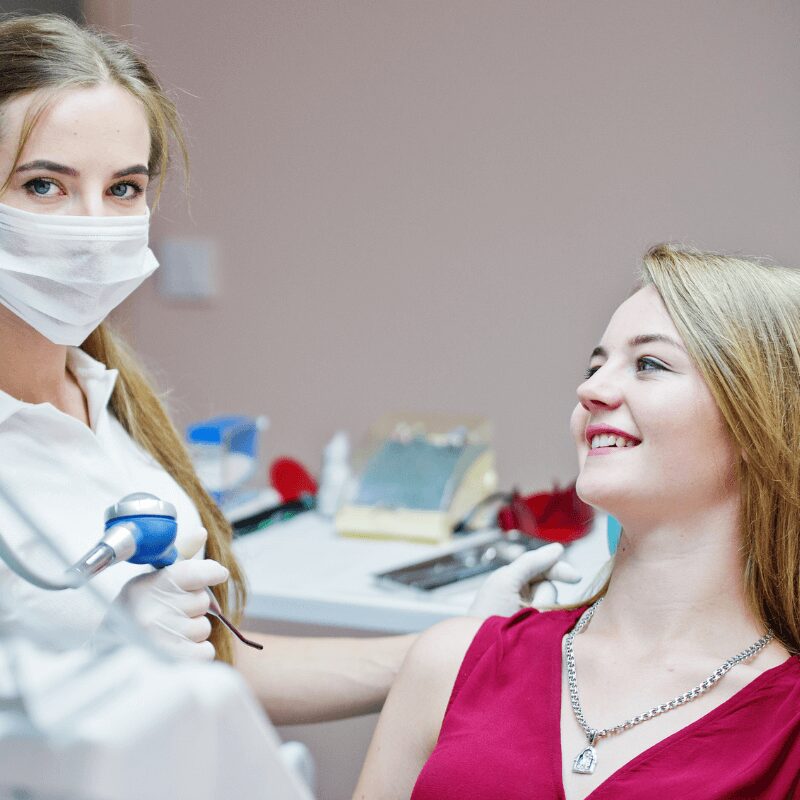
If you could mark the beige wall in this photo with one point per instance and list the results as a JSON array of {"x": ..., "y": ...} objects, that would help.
[{"x": 436, "y": 205}]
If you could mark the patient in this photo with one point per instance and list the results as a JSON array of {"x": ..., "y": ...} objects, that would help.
[{"x": 688, "y": 431}]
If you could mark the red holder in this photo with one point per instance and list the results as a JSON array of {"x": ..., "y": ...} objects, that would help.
[
  {"x": 557, "y": 516},
  {"x": 290, "y": 479}
]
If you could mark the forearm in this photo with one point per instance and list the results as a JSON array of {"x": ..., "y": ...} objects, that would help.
[{"x": 304, "y": 679}]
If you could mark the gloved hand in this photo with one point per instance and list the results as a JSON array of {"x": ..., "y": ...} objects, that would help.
[
  {"x": 171, "y": 604},
  {"x": 191, "y": 544},
  {"x": 524, "y": 582}
]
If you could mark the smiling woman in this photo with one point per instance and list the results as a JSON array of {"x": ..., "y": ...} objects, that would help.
[
  {"x": 647, "y": 388},
  {"x": 682, "y": 677}
]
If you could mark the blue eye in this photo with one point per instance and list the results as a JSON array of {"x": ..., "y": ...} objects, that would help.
[
  {"x": 649, "y": 364},
  {"x": 127, "y": 190},
  {"x": 41, "y": 186}
]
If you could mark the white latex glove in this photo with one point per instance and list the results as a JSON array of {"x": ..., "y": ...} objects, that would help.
[
  {"x": 191, "y": 544},
  {"x": 524, "y": 582},
  {"x": 171, "y": 604}
]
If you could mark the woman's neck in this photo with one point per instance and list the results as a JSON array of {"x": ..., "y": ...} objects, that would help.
[
  {"x": 34, "y": 370},
  {"x": 680, "y": 581}
]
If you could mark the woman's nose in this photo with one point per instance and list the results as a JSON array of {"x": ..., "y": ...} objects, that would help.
[
  {"x": 598, "y": 392},
  {"x": 89, "y": 205}
]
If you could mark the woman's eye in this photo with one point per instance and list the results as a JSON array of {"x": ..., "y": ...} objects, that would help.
[
  {"x": 42, "y": 187},
  {"x": 649, "y": 364},
  {"x": 128, "y": 190},
  {"x": 590, "y": 371}
]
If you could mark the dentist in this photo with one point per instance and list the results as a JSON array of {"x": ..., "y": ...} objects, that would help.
[{"x": 85, "y": 139}]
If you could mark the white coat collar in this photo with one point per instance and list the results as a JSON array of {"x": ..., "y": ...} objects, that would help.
[{"x": 95, "y": 379}]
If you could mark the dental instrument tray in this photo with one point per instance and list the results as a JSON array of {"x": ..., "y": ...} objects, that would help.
[{"x": 467, "y": 562}]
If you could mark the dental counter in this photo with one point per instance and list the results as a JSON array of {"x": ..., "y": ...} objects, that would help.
[{"x": 301, "y": 572}]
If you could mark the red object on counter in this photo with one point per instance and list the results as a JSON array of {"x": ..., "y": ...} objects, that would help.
[
  {"x": 557, "y": 516},
  {"x": 290, "y": 479}
]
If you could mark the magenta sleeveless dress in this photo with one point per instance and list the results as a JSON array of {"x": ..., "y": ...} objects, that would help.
[{"x": 500, "y": 736}]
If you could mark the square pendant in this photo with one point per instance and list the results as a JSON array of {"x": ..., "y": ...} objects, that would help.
[{"x": 585, "y": 761}]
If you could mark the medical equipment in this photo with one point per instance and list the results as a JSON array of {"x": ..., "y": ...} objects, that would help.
[
  {"x": 556, "y": 516},
  {"x": 270, "y": 515},
  {"x": 64, "y": 274},
  {"x": 466, "y": 562},
  {"x": 125, "y": 725},
  {"x": 335, "y": 477},
  {"x": 118, "y": 720},
  {"x": 291, "y": 480},
  {"x": 139, "y": 528},
  {"x": 613, "y": 532},
  {"x": 224, "y": 452},
  {"x": 216, "y": 611},
  {"x": 418, "y": 477}
]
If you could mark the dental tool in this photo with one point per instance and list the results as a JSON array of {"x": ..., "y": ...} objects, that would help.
[{"x": 141, "y": 528}]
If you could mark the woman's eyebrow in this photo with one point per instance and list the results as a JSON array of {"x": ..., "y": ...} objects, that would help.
[
  {"x": 61, "y": 169},
  {"x": 50, "y": 166},
  {"x": 649, "y": 338},
  {"x": 136, "y": 169},
  {"x": 636, "y": 341}
]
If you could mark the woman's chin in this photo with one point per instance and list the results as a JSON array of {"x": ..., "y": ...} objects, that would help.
[{"x": 602, "y": 494}]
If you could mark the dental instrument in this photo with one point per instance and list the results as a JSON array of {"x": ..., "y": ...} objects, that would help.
[{"x": 140, "y": 528}]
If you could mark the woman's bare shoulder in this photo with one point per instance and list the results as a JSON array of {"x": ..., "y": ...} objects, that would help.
[
  {"x": 410, "y": 722},
  {"x": 437, "y": 654}
]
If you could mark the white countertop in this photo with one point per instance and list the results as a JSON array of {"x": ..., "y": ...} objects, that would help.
[{"x": 300, "y": 571}]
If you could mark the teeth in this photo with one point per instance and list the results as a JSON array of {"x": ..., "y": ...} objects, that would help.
[{"x": 608, "y": 440}]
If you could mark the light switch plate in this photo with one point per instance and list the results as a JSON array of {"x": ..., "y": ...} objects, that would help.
[{"x": 188, "y": 268}]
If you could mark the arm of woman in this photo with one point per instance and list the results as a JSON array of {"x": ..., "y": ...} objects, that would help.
[
  {"x": 412, "y": 717},
  {"x": 309, "y": 679},
  {"x": 301, "y": 680}
]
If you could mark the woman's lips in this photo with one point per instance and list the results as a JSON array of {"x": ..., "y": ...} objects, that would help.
[{"x": 605, "y": 439}]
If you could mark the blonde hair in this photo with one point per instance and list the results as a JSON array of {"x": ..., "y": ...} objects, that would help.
[
  {"x": 46, "y": 54},
  {"x": 740, "y": 321}
]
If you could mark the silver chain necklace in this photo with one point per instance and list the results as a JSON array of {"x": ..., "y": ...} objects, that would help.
[{"x": 586, "y": 761}]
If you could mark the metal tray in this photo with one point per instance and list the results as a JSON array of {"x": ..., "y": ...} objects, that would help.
[{"x": 468, "y": 562}]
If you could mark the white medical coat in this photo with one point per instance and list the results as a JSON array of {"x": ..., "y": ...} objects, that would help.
[{"x": 64, "y": 475}]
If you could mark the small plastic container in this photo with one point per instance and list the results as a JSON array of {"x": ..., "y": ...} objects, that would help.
[{"x": 225, "y": 453}]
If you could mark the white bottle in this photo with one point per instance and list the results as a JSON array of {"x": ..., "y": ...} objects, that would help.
[{"x": 335, "y": 475}]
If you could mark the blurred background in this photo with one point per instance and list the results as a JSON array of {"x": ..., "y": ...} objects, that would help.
[{"x": 437, "y": 205}]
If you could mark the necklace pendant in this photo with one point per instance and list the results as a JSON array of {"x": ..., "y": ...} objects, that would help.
[{"x": 586, "y": 761}]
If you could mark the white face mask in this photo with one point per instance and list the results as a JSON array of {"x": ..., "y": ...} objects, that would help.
[{"x": 63, "y": 275}]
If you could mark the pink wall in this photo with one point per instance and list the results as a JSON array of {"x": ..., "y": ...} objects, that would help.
[{"x": 437, "y": 204}]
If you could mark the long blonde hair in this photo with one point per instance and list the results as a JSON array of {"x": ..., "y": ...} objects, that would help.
[
  {"x": 740, "y": 321},
  {"x": 46, "y": 54}
]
